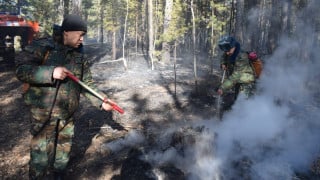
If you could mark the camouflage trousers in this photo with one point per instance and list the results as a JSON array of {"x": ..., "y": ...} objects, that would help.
[
  {"x": 50, "y": 146},
  {"x": 247, "y": 89}
]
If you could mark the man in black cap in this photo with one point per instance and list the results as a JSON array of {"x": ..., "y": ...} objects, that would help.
[{"x": 53, "y": 98}]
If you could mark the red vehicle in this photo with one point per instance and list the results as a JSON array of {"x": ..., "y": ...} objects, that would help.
[{"x": 15, "y": 32}]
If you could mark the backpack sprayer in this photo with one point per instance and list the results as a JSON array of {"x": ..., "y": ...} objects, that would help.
[{"x": 104, "y": 99}]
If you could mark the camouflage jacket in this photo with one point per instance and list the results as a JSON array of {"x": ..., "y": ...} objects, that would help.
[
  {"x": 242, "y": 73},
  {"x": 225, "y": 60},
  {"x": 35, "y": 69}
]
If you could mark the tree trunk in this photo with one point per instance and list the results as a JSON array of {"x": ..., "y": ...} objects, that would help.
[
  {"x": 194, "y": 47},
  {"x": 270, "y": 38},
  {"x": 76, "y": 7},
  {"x": 143, "y": 35},
  {"x": 166, "y": 24},
  {"x": 213, "y": 41},
  {"x": 231, "y": 28},
  {"x": 101, "y": 33},
  {"x": 175, "y": 67},
  {"x": 66, "y": 4},
  {"x": 286, "y": 14},
  {"x": 151, "y": 33},
  {"x": 114, "y": 45},
  {"x": 136, "y": 36},
  {"x": 124, "y": 38},
  {"x": 240, "y": 20}
]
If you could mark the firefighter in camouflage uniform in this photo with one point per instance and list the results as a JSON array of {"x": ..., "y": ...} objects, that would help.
[
  {"x": 236, "y": 63},
  {"x": 53, "y": 98}
]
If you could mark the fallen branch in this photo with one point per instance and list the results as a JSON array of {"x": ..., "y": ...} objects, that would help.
[{"x": 120, "y": 59}]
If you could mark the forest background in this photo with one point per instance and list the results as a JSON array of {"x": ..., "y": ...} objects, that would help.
[{"x": 161, "y": 26}]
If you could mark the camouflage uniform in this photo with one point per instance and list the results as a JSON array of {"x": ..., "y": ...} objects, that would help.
[
  {"x": 242, "y": 75},
  {"x": 35, "y": 69}
]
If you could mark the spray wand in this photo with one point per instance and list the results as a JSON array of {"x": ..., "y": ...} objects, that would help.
[
  {"x": 104, "y": 99},
  {"x": 219, "y": 97}
]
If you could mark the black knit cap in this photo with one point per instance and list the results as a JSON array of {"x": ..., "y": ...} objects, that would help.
[{"x": 73, "y": 22}]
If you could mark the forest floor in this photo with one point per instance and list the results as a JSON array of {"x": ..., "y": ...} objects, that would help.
[
  {"x": 150, "y": 98},
  {"x": 108, "y": 145}
]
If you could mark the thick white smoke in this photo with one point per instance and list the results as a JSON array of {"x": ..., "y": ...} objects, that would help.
[{"x": 277, "y": 132}]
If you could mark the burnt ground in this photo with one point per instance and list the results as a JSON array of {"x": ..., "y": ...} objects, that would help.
[{"x": 150, "y": 100}]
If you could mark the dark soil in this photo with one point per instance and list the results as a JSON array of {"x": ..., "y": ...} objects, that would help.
[{"x": 150, "y": 100}]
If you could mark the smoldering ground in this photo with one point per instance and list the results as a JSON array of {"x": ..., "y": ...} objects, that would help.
[{"x": 273, "y": 135}]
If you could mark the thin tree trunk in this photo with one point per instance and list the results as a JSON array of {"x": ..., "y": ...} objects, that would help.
[
  {"x": 76, "y": 7},
  {"x": 166, "y": 25},
  {"x": 286, "y": 12},
  {"x": 101, "y": 33},
  {"x": 136, "y": 36},
  {"x": 151, "y": 33},
  {"x": 124, "y": 38},
  {"x": 213, "y": 46},
  {"x": 194, "y": 47},
  {"x": 240, "y": 20},
  {"x": 66, "y": 6},
  {"x": 175, "y": 68},
  {"x": 114, "y": 45},
  {"x": 155, "y": 24},
  {"x": 231, "y": 20},
  {"x": 144, "y": 23},
  {"x": 270, "y": 39}
]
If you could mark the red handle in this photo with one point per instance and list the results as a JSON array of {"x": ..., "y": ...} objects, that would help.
[
  {"x": 72, "y": 77},
  {"x": 114, "y": 106},
  {"x": 117, "y": 108}
]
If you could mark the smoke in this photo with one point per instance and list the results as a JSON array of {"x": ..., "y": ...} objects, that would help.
[
  {"x": 273, "y": 135},
  {"x": 133, "y": 139}
]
